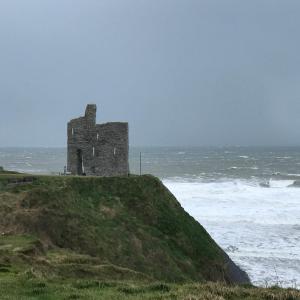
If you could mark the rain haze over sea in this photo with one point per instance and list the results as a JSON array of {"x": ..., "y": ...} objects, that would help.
[
  {"x": 245, "y": 197},
  {"x": 197, "y": 72}
]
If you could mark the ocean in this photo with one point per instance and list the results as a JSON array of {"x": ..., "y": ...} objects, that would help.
[{"x": 244, "y": 197}]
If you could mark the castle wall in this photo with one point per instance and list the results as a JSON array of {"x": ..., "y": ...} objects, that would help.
[
  {"x": 97, "y": 149},
  {"x": 112, "y": 149}
]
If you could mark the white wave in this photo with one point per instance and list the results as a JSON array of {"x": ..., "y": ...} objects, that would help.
[
  {"x": 280, "y": 183},
  {"x": 259, "y": 226},
  {"x": 32, "y": 171}
]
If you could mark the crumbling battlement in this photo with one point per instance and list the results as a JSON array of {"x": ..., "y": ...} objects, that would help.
[{"x": 97, "y": 149}]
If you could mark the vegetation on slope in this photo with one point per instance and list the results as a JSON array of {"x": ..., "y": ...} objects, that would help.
[
  {"x": 28, "y": 287},
  {"x": 63, "y": 274},
  {"x": 110, "y": 238},
  {"x": 126, "y": 222}
]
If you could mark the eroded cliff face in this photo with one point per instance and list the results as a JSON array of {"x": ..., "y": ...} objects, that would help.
[{"x": 127, "y": 223}]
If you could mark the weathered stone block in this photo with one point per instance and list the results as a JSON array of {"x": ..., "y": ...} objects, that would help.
[{"x": 97, "y": 149}]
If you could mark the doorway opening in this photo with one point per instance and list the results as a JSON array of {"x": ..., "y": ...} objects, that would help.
[{"x": 79, "y": 162}]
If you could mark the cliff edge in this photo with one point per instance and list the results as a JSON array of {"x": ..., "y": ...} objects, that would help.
[{"x": 106, "y": 228}]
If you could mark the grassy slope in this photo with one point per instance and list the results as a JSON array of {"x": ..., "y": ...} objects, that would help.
[
  {"x": 117, "y": 235},
  {"x": 19, "y": 281},
  {"x": 28, "y": 287},
  {"x": 135, "y": 223}
]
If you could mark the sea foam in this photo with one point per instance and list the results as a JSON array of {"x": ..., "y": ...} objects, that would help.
[{"x": 259, "y": 227}]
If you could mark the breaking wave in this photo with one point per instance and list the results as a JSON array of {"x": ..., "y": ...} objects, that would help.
[{"x": 258, "y": 227}]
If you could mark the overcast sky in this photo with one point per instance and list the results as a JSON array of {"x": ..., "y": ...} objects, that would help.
[{"x": 181, "y": 72}]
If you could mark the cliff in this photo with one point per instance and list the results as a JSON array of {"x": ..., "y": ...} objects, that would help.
[{"x": 113, "y": 228}]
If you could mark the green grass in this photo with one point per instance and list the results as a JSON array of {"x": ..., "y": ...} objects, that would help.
[
  {"x": 131, "y": 222},
  {"x": 27, "y": 286},
  {"x": 2, "y": 171},
  {"x": 66, "y": 237}
]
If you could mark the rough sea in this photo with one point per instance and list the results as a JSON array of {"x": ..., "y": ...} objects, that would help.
[{"x": 244, "y": 197}]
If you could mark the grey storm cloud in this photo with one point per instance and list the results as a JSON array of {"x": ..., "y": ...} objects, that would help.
[{"x": 181, "y": 72}]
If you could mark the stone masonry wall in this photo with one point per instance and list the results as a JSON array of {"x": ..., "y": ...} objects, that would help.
[{"x": 97, "y": 149}]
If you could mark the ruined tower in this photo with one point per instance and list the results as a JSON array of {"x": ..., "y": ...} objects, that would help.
[{"x": 97, "y": 149}]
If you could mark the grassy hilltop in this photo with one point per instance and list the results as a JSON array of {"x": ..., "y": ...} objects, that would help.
[{"x": 119, "y": 238}]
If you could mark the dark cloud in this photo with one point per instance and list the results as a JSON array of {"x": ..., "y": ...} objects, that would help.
[{"x": 180, "y": 72}]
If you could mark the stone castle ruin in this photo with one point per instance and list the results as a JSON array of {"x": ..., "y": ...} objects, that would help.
[{"x": 97, "y": 149}]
